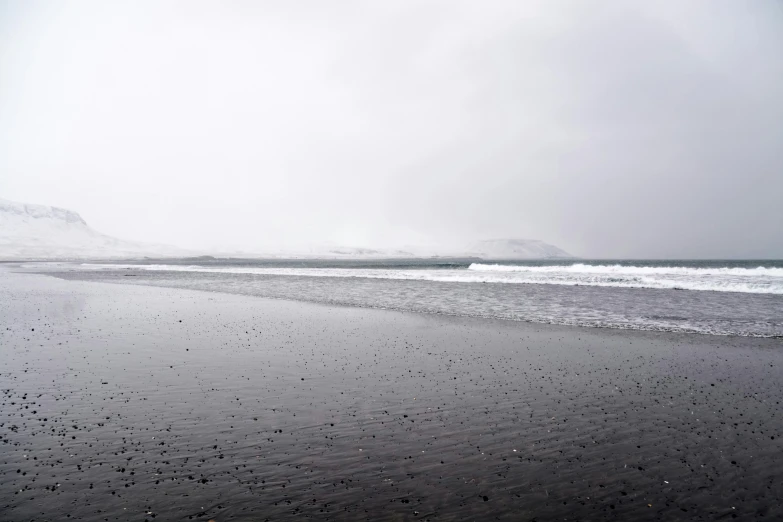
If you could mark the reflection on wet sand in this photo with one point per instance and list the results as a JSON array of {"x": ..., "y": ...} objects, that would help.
[{"x": 137, "y": 403}]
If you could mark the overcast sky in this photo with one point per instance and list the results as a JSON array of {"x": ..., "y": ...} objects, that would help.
[{"x": 610, "y": 129}]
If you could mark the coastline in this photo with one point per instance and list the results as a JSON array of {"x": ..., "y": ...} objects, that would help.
[
  {"x": 264, "y": 408},
  {"x": 649, "y": 309}
]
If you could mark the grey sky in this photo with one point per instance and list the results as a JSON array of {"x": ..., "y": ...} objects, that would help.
[{"x": 619, "y": 129}]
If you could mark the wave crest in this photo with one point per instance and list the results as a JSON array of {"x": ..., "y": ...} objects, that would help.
[
  {"x": 581, "y": 268},
  {"x": 759, "y": 280}
]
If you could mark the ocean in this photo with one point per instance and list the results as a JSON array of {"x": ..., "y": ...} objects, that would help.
[{"x": 738, "y": 297}]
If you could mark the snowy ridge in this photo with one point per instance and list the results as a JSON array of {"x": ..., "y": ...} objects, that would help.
[
  {"x": 516, "y": 249},
  {"x": 24, "y": 211},
  {"x": 42, "y": 232}
]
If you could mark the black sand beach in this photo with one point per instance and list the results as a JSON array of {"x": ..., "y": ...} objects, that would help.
[{"x": 134, "y": 403}]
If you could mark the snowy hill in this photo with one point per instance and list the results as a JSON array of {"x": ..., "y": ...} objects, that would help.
[
  {"x": 516, "y": 249},
  {"x": 41, "y": 232}
]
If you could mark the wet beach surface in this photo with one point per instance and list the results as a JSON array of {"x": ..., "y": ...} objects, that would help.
[{"x": 122, "y": 402}]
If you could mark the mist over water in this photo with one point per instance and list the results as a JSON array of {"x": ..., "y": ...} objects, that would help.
[{"x": 742, "y": 298}]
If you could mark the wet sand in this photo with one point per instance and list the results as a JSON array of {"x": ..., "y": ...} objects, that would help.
[{"x": 123, "y": 402}]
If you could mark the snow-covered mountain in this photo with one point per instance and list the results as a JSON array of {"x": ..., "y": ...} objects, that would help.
[
  {"x": 358, "y": 253},
  {"x": 516, "y": 249},
  {"x": 41, "y": 232}
]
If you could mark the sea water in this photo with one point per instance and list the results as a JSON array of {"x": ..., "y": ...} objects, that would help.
[{"x": 710, "y": 297}]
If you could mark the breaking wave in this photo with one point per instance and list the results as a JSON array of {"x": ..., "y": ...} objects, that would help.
[
  {"x": 759, "y": 280},
  {"x": 581, "y": 268}
]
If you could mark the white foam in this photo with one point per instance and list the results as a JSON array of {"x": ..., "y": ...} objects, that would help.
[{"x": 581, "y": 268}]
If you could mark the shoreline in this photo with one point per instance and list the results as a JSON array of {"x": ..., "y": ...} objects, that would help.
[
  {"x": 233, "y": 407},
  {"x": 461, "y": 315}
]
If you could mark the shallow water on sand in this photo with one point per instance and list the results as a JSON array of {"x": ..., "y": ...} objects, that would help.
[{"x": 136, "y": 403}]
